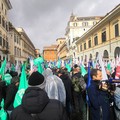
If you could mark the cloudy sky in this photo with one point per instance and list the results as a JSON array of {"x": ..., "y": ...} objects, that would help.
[{"x": 45, "y": 20}]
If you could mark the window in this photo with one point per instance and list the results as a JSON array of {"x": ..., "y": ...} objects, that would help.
[
  {"x": 104, "y": 36},
  {"x": 14, "y": 50},
  {"x": 0, "y": 19},
  {"x": 84, "y": 46},
  {"x": 80, "y": 47},
  {"x": 1, "y": 40},
  {"x": 85, "y": 24},
  {"x": 5, "y": 12},
  {"x": 116, "y": 30},
  {"x": 14, "y": 37},
  {"x": 7, "y": 44},
  {"x": 81, "y": 58},
  {"x": 20, "y": 52},
  {"x": 69, "y": 42},
  {"x": 74, "y": 24},
  {"x": 2, "y": 6},
  {"x": 94, "y": 22},
  {"x": 96, "y": 40},
  {"x": 89, "y": 43}
]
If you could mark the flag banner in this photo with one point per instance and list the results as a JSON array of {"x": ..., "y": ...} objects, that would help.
[
  {"x": 12, "y": 67},
  {"x": 102, "y": 68},
  {"x": 38, "y": 63},
  {"x": 59, "y": 63},
  {"x": 88, "y": 84},
  {"x": 23, "y": 85},
  {"x": 83, "y": 70},
  {"x": 2, "y": 70},
  {"x": 3, "y": 114}
]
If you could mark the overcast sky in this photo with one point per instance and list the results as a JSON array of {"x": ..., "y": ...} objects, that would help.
[{"x": 45, "y": 20}]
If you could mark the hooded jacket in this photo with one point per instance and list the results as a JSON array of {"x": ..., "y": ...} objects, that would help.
[{"x": 37, "y": 106}]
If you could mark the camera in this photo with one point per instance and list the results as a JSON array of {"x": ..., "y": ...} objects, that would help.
[{"x": 106, "y": 85}]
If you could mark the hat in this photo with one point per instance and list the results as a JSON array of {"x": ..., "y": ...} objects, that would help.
[
  {"x": 7, "y": 78},
  {"x": 36, "y": 80},
  {"x": 13, "y": 73},
  {"x": 15, "y": 79}
]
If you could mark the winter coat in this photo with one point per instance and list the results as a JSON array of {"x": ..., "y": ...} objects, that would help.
[
  {"x": 98, "y": 100},
  {"x": 37, "y": 106},
  {"x": 10, "y": 96},
  {"x": 78, "y": 82},
  {"x": 2, "y": 90},
  {"x": 68, "y": 87},
  {"x": 117, "y": 103}
]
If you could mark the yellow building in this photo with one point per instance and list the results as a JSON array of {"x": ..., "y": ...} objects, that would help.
[
  {"x": 5, "y": 5},
  {"x": 103, "y": 38},
  {"x": 62, "y": 48},
  {"x": 50, "y": 53},
  {"x": 76, "y": 27}
]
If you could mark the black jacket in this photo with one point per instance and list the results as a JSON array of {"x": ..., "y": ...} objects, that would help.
[
  {"x": 98, "y": 99},
  {"x": 2, "y": 90},
  {"x": 10, "y": 96},
  {"x": 68, "y": 87},
  {"x": 37, "y": 106}
]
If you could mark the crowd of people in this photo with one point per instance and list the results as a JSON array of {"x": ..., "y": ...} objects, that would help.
[{"x": 57, "y": 94}]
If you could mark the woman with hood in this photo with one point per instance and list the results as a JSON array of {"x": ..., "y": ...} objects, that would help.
[{"x": 54, "y": 86}]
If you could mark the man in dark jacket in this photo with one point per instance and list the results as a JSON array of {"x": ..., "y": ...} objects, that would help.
[
  {"x": 99, "y": 101},
  {"x": 2, "y": 90},
  {"x": 35, "y": 103},
  {"x": 68, "y": 88},
  {"x": 10, "y": 93},
  {"x": 79, "y": 87}
]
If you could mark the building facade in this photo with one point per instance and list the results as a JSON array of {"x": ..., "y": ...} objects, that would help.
[
  {"x": 76, "y": 27},
  {"x": 103, "y": 38},
  {"x": 27, "y": 47},
  {"x": 50, "y": 53},
  {"x": 5, "y": 5},
  {"x": 62, "y": 49},
  {"x": 21, "y": 47}
]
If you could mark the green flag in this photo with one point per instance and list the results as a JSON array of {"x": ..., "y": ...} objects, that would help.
[
  {"x": 3, "y": 114},
  {"x": 83, "y": 71},
  {"x": 12, "y": 67},
  {"x": 109, "y": 67},
  {"x": 59, "y": 63},
  {"x": 38, "y": 62},
  {"x": 40, "y": 69},
  {"x": 22, "y": 87},
  {"x": 68, "y": 67},
  {"x": 2, "y": 70}
]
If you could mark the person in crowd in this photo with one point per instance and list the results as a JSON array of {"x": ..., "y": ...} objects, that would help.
[
  {"x": 54, "y": 86},
  {"x": 79, "y": 87},
  {"x": 10, "y": 94},
  {"x": 68, "y": 88},
  {"x": 2, "y": 90},
  {"x": 13, "y": 73},
  {"x": 36, "y": 104},
  {"x": 98, "y": 97},
  {"x": 117, "y": 102}
]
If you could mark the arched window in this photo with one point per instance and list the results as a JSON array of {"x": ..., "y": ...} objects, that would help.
[
  {"x": 90, "y": 56},
  {"x": 105, "y": 54},
  {"x": 85, "y": 58},
  {"x": 117, "y": 52},
  {"x": 96, "y": 54}
]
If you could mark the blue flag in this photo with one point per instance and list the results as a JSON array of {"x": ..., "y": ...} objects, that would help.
[
  {"x": 88, "y": 84},
  {"x": 89, "y": 77}
]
